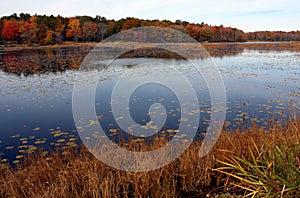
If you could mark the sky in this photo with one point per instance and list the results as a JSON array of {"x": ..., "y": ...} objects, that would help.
[{"x": 247, "y": 15}]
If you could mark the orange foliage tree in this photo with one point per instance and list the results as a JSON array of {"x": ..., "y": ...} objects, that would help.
[
  {"x": 74, "y": 31},
  {"x": 28, "y": 32}
]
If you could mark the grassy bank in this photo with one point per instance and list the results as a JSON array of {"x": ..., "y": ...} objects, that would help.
[{"x": 253, "y": 162}]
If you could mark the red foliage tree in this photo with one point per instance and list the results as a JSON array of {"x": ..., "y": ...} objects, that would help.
[{"x": 11, "y": 29}]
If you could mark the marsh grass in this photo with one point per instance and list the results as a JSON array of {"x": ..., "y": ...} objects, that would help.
[
  {"x": 271, "y": 167},
  {"x": 254, "y": 162}
]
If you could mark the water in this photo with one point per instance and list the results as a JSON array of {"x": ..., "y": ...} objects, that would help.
[{"x": 36, "y": 95}]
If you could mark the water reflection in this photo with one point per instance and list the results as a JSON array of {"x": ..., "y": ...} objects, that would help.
[
  {"x": 36, "y": 111},
  {"x": 38, "y": 61}
]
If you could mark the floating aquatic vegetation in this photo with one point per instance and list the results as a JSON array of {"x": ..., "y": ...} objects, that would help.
[
  {"x": 40, "y": 142},
  {"x": 19, "y": 156},
  {"x": 92, "y": 122},
  {"x": 9, "y": 147},
  {"x": 23, "y": 139},
  {"x": 61, "y": 140},
  {"x": 113, "y": 130},
  {"x": 57, "y": 133},
  {"x": 15, "y": 136},
  {"x": 16, "y": 161},
  {"x": 31, "y": 149},
  {"x": 72, "y": 139},
  {"x": 72, "y": 144}
]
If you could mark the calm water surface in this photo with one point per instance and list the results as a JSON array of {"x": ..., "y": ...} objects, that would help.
[{"x": 36, "y": 96}]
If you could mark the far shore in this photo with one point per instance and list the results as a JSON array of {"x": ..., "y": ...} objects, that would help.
[
  {"x": 14, "y": 47},
  {"x": 281, "y": 45}
]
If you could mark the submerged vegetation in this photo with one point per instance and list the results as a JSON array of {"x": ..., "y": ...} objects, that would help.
[{"x": 253, "y": 162}]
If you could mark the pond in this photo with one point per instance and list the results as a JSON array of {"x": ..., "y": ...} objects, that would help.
[{"x": 262, "y": 86}]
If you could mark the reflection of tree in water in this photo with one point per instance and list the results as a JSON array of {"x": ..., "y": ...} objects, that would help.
[
  {"x": 27, "y": 62},
  {"x": 231, "y": 49},
  {"x": 35, "y": 61},
  {"x": 222, "y": 50},
  {"x": 168, "y": 51}
]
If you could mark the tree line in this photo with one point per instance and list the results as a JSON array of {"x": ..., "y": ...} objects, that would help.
[{"x": 41, "y": 29}]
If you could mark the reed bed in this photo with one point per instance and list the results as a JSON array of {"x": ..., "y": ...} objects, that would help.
[{"x": 255, "y": 162}]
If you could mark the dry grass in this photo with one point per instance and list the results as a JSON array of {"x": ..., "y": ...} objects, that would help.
[{"x": 78, "y": 174}]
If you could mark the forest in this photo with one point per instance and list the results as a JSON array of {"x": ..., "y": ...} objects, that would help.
[{"x": 44, "y": 30}]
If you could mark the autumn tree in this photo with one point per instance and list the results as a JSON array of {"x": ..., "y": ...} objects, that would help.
[
  {"x": 194, "y": 31},
  {"x": 84, "y": 19},
  {"x": 57, "y": 24},
  {"x": 60, "y": 28},
  {"x": 74, "y": 31},
  {"x": 25, "y": 31},
  {"x": 28, "y": 31},
  {"x": 217, "y": 34},
  {"x": 110, "y": 27},
  {"x": 89, "y": 29},
  {"x": 13, "y": 16},
  {"x": 11, "y": 29},
  {"x": 116, "y": 26},
  {"x": 100, "y": 19},
  {"x": 1, "y": 28},
  {"x": 48, "y": 21},
  {"x": 130, "y": 23},
  {"x": 42, "y": 33},
  {"x": 49, "y": 37},
  {"x": 206, "y": 33},
  {"x": 178, "y": 27},
  {"x": 24, "y": 17},
  {"x": 102, "y": 30},
  {"x": 49, "y": 29},
  {"x": 58, "y": 37}
]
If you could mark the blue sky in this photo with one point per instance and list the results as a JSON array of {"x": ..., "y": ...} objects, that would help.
[{"x": 248, "y": 15}]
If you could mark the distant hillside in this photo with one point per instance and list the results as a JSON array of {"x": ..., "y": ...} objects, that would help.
[{"x": 42, "y": 29}]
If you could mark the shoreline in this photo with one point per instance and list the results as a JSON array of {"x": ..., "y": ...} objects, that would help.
[
  {"x": 280, "y": 44},
  {"x": 17, "y": 47}
]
